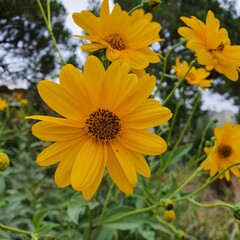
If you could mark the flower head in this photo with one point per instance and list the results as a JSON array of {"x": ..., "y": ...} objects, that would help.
[
  {"x": 3, "y": 104},
  {"x": 106, "y": 114},
  {"x": 196, "y": 76},
  {"x": 169, "y": 215},
  {"x": 150, "y": 5},
  {"x": 124, "y": 37},
  {"x": 225, "y": 152},
  {"x": 4, "y": 161},
  {"x": 212, "y": 46}
]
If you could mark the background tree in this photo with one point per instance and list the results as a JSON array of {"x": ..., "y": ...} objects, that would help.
[{"x": 27, "y": 51}]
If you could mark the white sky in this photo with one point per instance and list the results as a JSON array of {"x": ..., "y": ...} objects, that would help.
[{"x": 214, "y": 102}]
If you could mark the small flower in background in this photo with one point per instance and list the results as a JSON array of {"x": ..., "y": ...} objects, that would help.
[
  {"x": 150, "y": 5},
  {"x": 4, "y": 161},
  {"x": 212, "y": 46},
  {"x": 3, "y": 104},
  {"x": 196, "y": 76},
  {"x": 106, "y": 114},
  {"x": 124, "y": 37},
  {"x": 225, "y": 152},
  {"x": 169, "y": 215},
  {"x": 18, "y": 96}
]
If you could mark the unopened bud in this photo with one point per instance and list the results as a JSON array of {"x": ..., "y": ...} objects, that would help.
[
  {"x": 168, "y": 204},
  {"x": 150, "y": 5},
  {"x": 4, "y": 161},
  {"x": 181, "y": 235},
  {"x": 236, "y": 211}
]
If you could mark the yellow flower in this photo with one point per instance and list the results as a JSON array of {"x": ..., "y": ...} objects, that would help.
[
  {"x": 124, "y": 37},
  {"x": 3, "y": 104},
  {"x": 169, "y": 215},
  {"x": 212, "y": 45},
  {"x": 19, "y": 98},
  {"x": 196, "y": 76},
  {"x": 225, "y": 152},
  {"x": 4, "y": 161},
  {"x": 105, "y": 119}
]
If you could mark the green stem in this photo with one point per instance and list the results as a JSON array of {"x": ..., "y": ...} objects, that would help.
[
  {"x": 168, "y": 225},
  {"x": 16, "y": 230},
  {"x": 179, "y": 83},
  {"x": 165, "y": 59},
  {"x": 210, "y": 205},
  {"x": 186, "y": 182},
  {"x": 106, "y": 201},
  {"x": 137, "y": 211},
  {"x": 135, "y": 8},
  {"x": 182, "y": 134},
  {"x": 203, "y": 137},
  {"x": 49, "y": 28},
  {"x": 208, "y": 182}
]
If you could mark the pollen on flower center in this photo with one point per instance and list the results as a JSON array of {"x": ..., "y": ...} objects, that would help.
[
  {"x": 115, "y": 41},
  {"x": 219, "y": 48},
  {"x": 103, "y": 125},
  {"x": 224, "y": 151}
]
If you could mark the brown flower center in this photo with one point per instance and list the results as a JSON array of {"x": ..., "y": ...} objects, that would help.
[
  {"x": 224, "y": 151},
  {"x": 115, "y": 41},
  {"x": 219, "y": 48},
  {"x": 103, "y": 125}
]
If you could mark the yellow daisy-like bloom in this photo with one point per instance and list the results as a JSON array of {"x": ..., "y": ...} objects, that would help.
[
  {"x": 106, "y": 116},
  {"x": 212, "y": 45},
  {"x": 196, "y": 76},
  {"x": 4, "y": 161},
  {"x": 3, "y": 104},
  {"x": 225, "y": 152},
  {"x": 124, "y": 37}
]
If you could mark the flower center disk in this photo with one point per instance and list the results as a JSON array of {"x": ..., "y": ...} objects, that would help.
[
  {"x": 103, "y": 125},
  {"x": 224, "y": 151},
  {"x": 115, "y": 41}
]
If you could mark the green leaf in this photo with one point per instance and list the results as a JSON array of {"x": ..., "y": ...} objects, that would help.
[
  {"x": 46, "y": 228},
  {"x": 4, "y": 235},
  {"x": 126, "y": 223},
  {"x": 105, "y": 233},
  {"x": 38, "y": 217},
  {"x": 77, "y": 207},
  {"x": 178, "y": 153}
]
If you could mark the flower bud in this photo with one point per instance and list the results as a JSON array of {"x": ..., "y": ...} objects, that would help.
[
  {"x": 150, "y": 5},
  {"x": 236, "y": 211},
  {"x": 181, "y": 235},
  {"x": 169, "y": 215},
  {"x": 168, "y": 204},
  {"x": 4, "y": 161}
]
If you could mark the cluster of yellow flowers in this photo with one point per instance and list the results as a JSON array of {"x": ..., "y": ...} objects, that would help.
[{"x": 106, "y": 112}]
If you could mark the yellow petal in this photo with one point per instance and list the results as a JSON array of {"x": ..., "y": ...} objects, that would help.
[
  {"x": 87, "y": 165},
  {"x": 124, "y": 156},
  {"x": 143, "y": 141},
  {"x": 57, "y": 98},
  {"x": 54, "y": 132},
  {"x": 117, "y": 174},
  {"x": 58, "y": 151},
  {"x": 149, "y": 114}
]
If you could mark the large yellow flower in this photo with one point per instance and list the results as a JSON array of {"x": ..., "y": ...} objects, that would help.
[
  {"x": 212, "y": 45},
  {"x": 124, "y": 37},
  {"x": 196, "y": 76},
  {"x": 225, "y": 152},
  {"x": 105, "y": 119}
]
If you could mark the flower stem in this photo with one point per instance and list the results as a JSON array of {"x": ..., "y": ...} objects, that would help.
[
  {"x": 49, "y": 27},
  {"x": 210, "y": 205},
  {"x": 179, "y": 83},
  {"x": 16, "y": 230},
  {"x": 135, "y": 8},
  {"x": 207, "y": 183}
]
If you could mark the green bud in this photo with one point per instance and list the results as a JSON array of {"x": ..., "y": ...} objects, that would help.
[
  {"x": 181, "y": 235},
  {"x": 150, "y": 5},
  {"x": 167, "y": 203},
  {"x": 236, "y": 211},
  {"x": 208, "y": 143}
]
